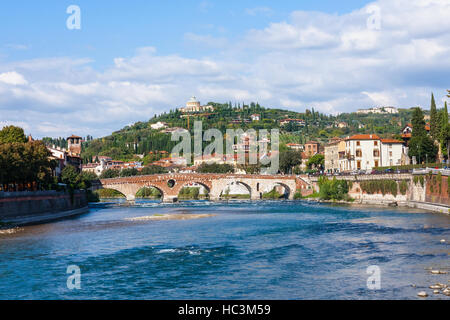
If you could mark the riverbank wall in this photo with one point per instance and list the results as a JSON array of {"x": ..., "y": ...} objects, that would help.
[
  {"x": 21, "y": 208},
  {"x": 428, "y": 191}
]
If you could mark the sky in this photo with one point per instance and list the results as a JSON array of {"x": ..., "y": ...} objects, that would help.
[{"x": 130, "y": 60}]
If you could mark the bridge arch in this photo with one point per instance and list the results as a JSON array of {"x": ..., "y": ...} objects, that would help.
[
  {"x": 110, "y": 193},
  {"x": 236, "y": 182},
  {"x": 193, "y": 184},
  {"x": 161, "y": 192}
]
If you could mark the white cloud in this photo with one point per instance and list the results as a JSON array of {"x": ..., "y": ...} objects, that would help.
[
  {"x": 331, "y": 62},
  {"x": 13, "y": 78}
]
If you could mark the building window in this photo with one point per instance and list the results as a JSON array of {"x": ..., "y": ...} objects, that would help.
[
  {"x": 358, "y": 165},
  {"x": 375, "y": 143},
  {"x": 376, "y": 153},
  {"x": 358, "y": 143},
  {"x": 390, "y": 153},
  {"x": 358, "y": 153},
  {"x": 376, "y": 163}
]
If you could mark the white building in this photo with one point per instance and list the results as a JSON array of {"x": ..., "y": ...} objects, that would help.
[
  {"x": 368, "y": 151},
  {"x": 391, "y": 152},
  {"x": 255, "y": 117},
  {"x": 193, "y": 105},
  {"x": 381, "y": 110},
  {"x": 159, "y": 125}
]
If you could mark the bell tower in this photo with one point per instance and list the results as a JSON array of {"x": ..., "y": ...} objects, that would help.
[{"x": 74, "y": 145}]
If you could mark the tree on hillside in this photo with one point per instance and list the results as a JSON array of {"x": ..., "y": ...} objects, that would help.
[
  {"x": 215, "y": 168},
  {"x": 444, "y": 135},
  {"x": 421, "y": 145},
  {"x": 433, "y": 119},
  {"x": 288, "y": 160},
  {"x": 317, "y": 160},
  {"x": 10, "y": 134}
]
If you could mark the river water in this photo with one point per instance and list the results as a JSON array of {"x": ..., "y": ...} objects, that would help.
[{"x": 246, "y": 250}]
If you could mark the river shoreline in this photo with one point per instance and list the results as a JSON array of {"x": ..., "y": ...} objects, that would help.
[
  {"x": 42, "y": 218},
  {"x": 435, "y": 208}
]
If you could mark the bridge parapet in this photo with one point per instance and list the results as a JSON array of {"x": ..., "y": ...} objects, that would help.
[{"x": 365, "y": 177}]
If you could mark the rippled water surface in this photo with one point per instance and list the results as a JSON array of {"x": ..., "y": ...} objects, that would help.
[{"x": 246, "y": 250}]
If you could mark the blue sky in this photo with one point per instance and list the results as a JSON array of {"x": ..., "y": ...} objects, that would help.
[{"x": 132, "y": 59}]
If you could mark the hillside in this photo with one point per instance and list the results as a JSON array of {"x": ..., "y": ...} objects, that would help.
[{"x": 140, "y": 138}]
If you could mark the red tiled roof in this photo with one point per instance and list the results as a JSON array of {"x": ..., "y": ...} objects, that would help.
[
  {"x": 391, "y": 141},
  {"x": 364, "y": 137}
]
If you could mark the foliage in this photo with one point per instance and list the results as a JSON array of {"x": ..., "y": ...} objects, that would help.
[
  {"x": 110, "y": 173},
  {"x": 298, "y": 195},
  {"x": 148, "y": 193},
  {"x": 421, "y": 145},
  {"x": 109, "y": 193},
  {"x": 189, "y": 193},
  {"x": 273, "y": 194},
  {"x": 433, "y": 119},
  {"x": 215, "y": 168},
  {"x": 419, "y": 178},
  {"x": 380, "y": 186},
  {"x": 317, "y": 160},
  {"x": 403, "y": 187},
  {"x": 333, "y": 189},
  {"x": 289, "y": 160},
  {"x": 26, "y": 162},
  {"x": 129, "y": 172},
  {"x": 152, "y": 170},
  {"x": 12, "y": 134},
  {"x": 75, "y": 180}
]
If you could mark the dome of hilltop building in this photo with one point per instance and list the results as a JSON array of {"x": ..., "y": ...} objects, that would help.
[{"x": 193, "y": 104}]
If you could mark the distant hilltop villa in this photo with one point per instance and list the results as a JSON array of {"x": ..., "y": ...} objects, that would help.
[
  {"x": 384, "y": 110},
  {"x": 193, "y": 105}
]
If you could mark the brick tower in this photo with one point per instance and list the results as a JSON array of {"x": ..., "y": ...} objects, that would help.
[{"x": 74, "y": 145}]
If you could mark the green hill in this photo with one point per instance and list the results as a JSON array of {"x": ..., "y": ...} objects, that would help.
[{"x": 140, "y": 138}]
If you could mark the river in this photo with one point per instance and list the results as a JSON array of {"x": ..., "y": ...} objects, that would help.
[{"x": 235, "y": 250}]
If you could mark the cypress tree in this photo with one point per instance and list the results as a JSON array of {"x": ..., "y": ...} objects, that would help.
[
  {"x": 421, "y": 145},
  {"x": 433, "y": 119}
]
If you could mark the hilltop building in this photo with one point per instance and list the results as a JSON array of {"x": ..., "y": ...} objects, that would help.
[
  {"x": 380, "y": 110},
  {"x": 193, "y": 105},
  {"x": 159, "y": 125}
]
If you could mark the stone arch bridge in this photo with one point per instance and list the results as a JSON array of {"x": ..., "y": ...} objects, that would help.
[{"x": 170, "y": 184}]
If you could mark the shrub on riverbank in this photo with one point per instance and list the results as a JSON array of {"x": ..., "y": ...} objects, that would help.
[
  {"x": 273, "y": 194},
  {"x": 333, "y": 189}
]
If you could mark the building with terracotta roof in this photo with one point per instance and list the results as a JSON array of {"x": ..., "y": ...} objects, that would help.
[
  {"x": 311, "y": 148},
  {"x": 369, "y": 151},
  {"x": 333, "y": 150}
]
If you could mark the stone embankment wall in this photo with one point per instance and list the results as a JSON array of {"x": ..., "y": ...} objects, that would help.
[
  {"x": 358, "y": 194},
  {"x": 31, "y": 206},
  {"x": 424, "y": 191},
  {"x": 437, "y": 189}
]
